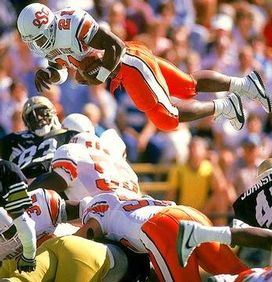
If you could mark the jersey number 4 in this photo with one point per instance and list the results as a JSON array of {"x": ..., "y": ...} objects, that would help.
[{"x": 263, "y": 210}]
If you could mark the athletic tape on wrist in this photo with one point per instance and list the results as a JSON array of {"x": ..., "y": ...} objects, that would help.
[{"x": 103, "y": 74}]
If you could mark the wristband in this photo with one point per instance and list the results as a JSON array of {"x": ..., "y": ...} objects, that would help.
[{"x": 103, "y": 74}]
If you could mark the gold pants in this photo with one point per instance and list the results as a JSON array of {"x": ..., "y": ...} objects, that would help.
[{"x": 68, "y": 258}]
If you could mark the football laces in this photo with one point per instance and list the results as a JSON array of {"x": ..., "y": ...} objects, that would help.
[{"x": 95, "y": 70}]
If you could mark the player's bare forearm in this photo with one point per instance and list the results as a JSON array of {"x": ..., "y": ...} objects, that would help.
[{"x": 113, "y": 46}]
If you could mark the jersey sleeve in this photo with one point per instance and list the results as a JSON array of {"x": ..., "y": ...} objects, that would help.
[
  {"x": 64, "y": 165},
  {"x": 87, "y": 27},
  {"x": 54, "y": 204},
  {"x": 97, "y": 208},
  {"x": 14, "y": 188},
  {"x": 66, "y": 159}
]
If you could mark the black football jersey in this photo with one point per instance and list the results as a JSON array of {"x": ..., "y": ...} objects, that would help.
[
  {"x": 32, "y": 153},
  {"x": 13, "y": 188},
  {"x": 254, "y": 206}
]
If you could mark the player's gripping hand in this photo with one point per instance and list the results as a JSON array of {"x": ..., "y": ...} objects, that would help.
[
  {"x": 42, "y": 79},
  {"x": 26, "y": 265}
]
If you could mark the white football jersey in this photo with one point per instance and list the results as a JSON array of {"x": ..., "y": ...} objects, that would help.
[
  {"x": 74, "y": 29},
  {"x": 121, "y": 215},
  {"x": 46, "y": 211},
  {"x": 91, "y": 171}
]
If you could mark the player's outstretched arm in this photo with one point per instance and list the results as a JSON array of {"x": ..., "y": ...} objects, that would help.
[
  {"x": 53, "y": 74},
  {"x": 50, "y": 180},
  {"x": 113, "y": 46}
]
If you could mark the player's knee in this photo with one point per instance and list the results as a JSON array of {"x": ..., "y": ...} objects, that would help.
[{"x": 163, "y": 121}]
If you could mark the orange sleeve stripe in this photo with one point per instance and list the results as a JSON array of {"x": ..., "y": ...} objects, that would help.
[
  {"x": 53, "y": 204},
  {"x": 68, "y": 166},
  {"x": 84, "y": 29}
]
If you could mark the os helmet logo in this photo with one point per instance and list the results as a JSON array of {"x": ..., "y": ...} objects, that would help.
[{"x": 41, "y": 17}]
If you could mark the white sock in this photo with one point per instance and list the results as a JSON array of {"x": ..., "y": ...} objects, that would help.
[
  {"x": 220, "y": 234},
  {"x": 237, "y": 84},
  {"x": 219, "y": 106}
]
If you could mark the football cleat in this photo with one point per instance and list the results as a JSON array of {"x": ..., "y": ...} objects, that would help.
[
  {"x": 255, "y": 90},
  {"x": 233, "y": 111},
  {"x": 185, "y": 241}
]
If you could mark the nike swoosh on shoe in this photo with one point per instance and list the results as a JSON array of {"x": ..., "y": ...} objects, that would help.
[
  {"x": 179, "y": 244},
  {"x": 262, "y": 92},
  {"x": 240, "y": 117}
]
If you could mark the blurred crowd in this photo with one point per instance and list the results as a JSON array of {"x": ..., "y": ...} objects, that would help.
[{"x": 214, "y": 163}]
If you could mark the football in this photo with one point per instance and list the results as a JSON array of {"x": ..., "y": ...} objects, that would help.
[{"x": 88, "y": 69}]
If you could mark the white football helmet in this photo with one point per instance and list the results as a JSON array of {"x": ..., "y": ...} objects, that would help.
[
  {"x": 79, "y": 123},
  {"x": 37, "y": 26},
  {"x": 112, "y": 142},
  {"x": 40, "y": 116},
  {"x": 10, "y": 244}
]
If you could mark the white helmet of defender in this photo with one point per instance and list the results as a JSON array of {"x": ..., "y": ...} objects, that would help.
[
  {"x": 37, "y": 26},
  {"x": 79, "y": 123},
  {"x": 10, "y": 244},
  {"x": 112, "y": 142}
]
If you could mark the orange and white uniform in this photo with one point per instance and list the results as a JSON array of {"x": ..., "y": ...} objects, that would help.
[
  {"x": 91, "y": 171},
  {"x": 47, "y": 211},
  {"x": 150, "y": 226},
  {"x": 149, "y": 80},
  {"x": 74, "y": 29}
]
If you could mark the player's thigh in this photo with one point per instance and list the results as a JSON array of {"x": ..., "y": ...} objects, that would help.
[
  {"x": 8, "y": 266},
  {"x": 180, "y": 84},
  {"x": 46, "y": 266},
  {"x": 159, "y": 235},
  {"x": 80, "y": 259}
]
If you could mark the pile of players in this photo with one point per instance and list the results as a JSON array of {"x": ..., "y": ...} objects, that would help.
[
  {"x": 90, "y": 219},
  {"x": 72, "y": 209}
]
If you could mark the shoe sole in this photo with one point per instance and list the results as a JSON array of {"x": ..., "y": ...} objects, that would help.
[
  {"x": 260, "y": 92},
  {"x": 238, "y": 115}
]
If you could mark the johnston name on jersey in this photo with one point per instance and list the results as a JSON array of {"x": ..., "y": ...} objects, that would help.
[{"x": 254, "y": 206}]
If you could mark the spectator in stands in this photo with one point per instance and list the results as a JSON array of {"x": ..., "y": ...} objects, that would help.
[
  {"x": 244, "y": 27},
  {"x": 221, "y": 49},
  {"x": 102, "y": 98},
  {"x": 18, "y": 96},
  {"x": 118, "y": 22},
  {"x": 199, "y": 182},
  {"x": 54, "y": 95},
  {"x": 155, "y": 38},
  {"x": 93, "y": 112},
  {"x": 138, "y": 133},
  {"x": 247, "y": 163},
  {"x": 17, "y": 123}
]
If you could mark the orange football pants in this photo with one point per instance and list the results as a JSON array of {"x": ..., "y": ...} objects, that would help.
[
  {"x": 150, "y": 81},
  {"x": 159, "y": 235}
]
